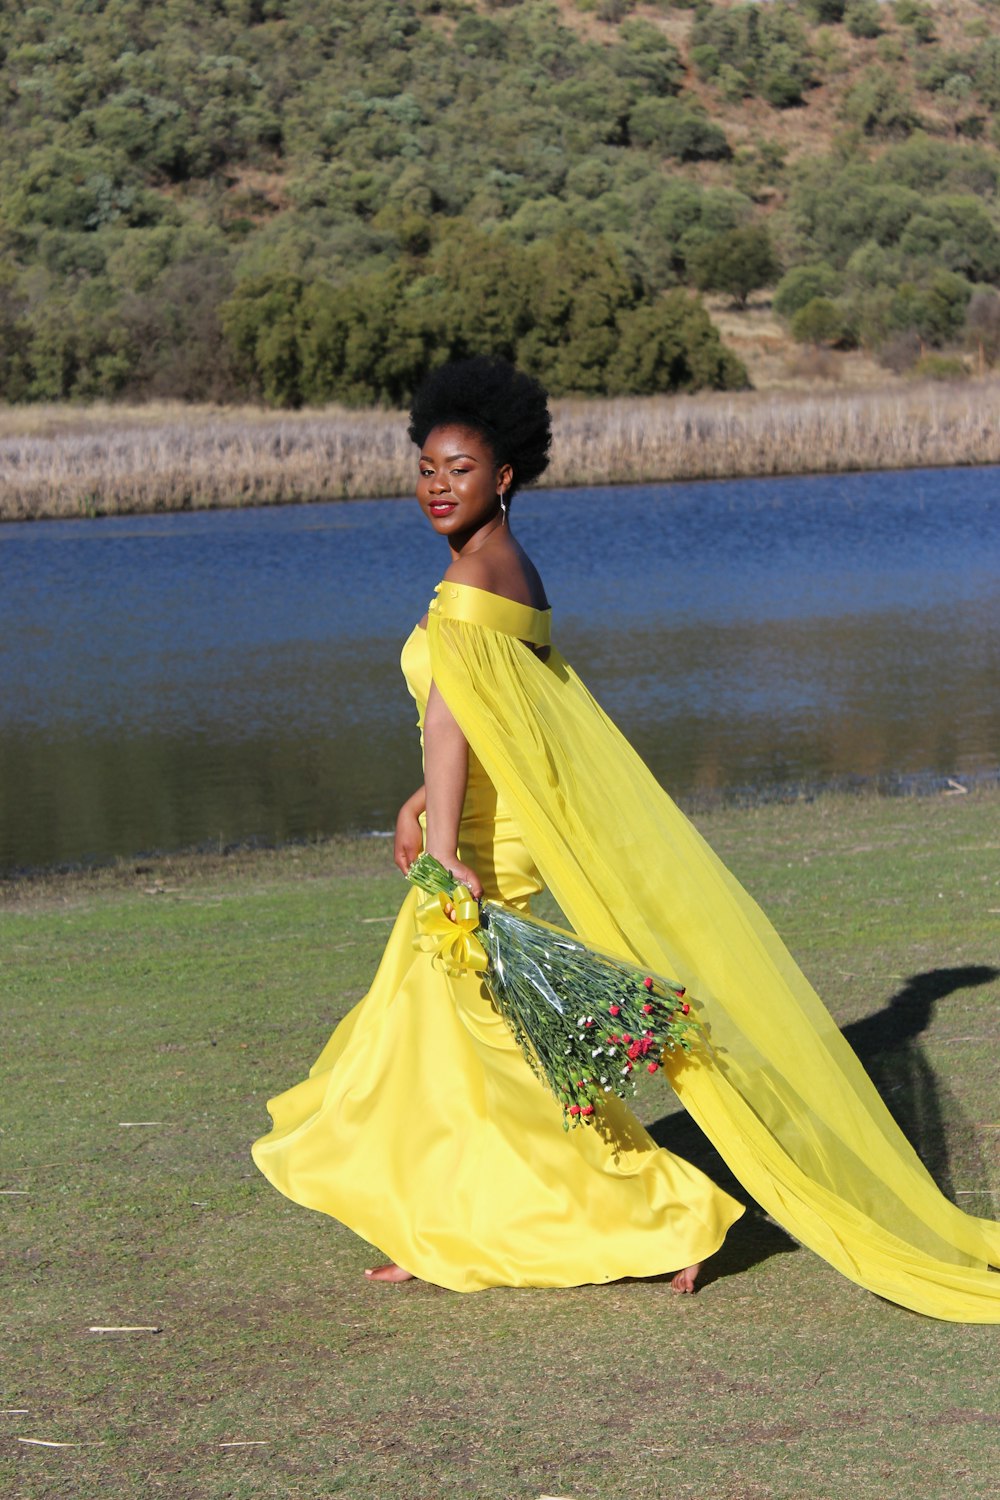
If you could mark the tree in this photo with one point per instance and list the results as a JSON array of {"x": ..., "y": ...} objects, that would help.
[
  {"x": 645, "y": 57},
  {"x": 876, "y": 104},
  {"x": 738, "y": 262},
  {"x": 803, "y": 283},
  {"x": 982, "y": 325},
  {"x": 863, "y": 18},
  {"x": 956, "y": 232},
  {"x": 935, "y": 310},
  {"x": 918, "y": 17},
  {"x": 672, "y": 345},
  {"x": 824, "y": 12},
  {"x": 260, "y": 322},
  {"x": 677, "y": 131},
  {"x": 820, "y": 321}
]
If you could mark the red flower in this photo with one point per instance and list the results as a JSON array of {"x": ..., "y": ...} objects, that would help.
[
  {"x": 685, "y": 1009},
  {"x": 634, "y": 1050},
  {"x": 574, "y": 1109},
  {"x": 680, "y": 991},
  {"x": 648, "y": 982},
  {"x": 588, "y": 1109},
  {"x": 646, "y": 1009},
  {"x": 652, "y": 1067},
  {"x": 615, "y": 1010}
]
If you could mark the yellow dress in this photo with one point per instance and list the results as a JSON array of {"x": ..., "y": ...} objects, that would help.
[{"x": 421, "y": 1127}]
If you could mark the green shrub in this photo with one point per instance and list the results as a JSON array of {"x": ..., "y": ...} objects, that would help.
[
  {"x": 645, "y": 57},
  {"x": 984, "y": 66},
  {"x": 733, "y": 85},
  {"x": 820, "y": 321},
  {"x": 677, "y": 131},
  {"x": 614, "y": 10},
  {"x": 863, "y": 18},
  {"x": 940, "y": 367},
  {"x": 956, "y": 232},
  {"x": 878, "y": 106},
  {"x": 918, "y": 17},
  {"x": 824, "y": 12},
  {"x": 478, "y": 37},
  {"x": 782, "y": 89},
  {"x": 802, "y": 284},
  {"x": 872, "y": 265},
  {"x": 935, "y": 310},
  {"x": 672, "y": 345},
  {"x": 707, "y": 60}
]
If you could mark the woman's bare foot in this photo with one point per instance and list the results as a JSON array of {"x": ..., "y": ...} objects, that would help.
[
  {"x": 684, "y": 1280},
  {"x": 390, "y": 1272}
]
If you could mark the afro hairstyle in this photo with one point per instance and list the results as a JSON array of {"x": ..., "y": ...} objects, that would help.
[{"x": 507, "y": 408}]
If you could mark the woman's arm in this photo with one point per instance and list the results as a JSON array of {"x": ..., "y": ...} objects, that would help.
[{"x": 446, "y": 771}]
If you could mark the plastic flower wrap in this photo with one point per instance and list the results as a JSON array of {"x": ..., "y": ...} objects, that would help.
[{"x": 586, "y": 1021}]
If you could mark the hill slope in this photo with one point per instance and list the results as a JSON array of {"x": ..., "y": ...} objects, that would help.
[{"x": 309, "y": 201}]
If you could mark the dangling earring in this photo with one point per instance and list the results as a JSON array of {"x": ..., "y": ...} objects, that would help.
[{"x": 503, "y": 509}]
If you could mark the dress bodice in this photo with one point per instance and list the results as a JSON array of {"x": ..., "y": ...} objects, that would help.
[
  {"x": 460, "y": 601},
  {"x": 415, "y": 661},
  {"x": 489, "y": 837}
]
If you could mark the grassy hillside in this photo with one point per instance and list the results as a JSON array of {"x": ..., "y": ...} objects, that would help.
[{"x": 306, "y": 202}]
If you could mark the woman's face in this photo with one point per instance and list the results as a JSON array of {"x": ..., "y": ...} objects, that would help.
[{"x": 459, "y": 483}]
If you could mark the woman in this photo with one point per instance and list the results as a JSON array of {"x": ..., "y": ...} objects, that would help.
[{"x": 422, "y": 1127}]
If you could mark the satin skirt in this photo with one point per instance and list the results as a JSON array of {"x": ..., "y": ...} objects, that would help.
[{"x": 422, "y": 1128}]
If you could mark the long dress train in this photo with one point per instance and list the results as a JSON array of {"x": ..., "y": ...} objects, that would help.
[{"x": 782, "y": 1096}]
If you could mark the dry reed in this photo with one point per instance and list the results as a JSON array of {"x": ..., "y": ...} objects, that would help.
[{"x": 65, "y": 461}]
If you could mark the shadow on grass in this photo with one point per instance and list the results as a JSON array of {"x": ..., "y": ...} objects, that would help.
[{"x": 924, "y": 1109}]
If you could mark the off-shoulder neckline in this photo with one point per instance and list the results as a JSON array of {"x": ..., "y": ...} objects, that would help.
[{"x": 472, "y": 588}]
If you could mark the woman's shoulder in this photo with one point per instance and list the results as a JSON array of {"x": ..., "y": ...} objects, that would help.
[{"x": 510, "y": 574}]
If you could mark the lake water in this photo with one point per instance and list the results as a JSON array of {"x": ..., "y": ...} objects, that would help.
[{"x": 185, "y": 679}]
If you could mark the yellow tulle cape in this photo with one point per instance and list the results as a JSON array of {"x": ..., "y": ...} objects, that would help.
[{"x": 782, "y": 1096}]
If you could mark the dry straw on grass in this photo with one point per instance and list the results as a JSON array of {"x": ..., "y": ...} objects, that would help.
[{"x": 62, "y": 461}]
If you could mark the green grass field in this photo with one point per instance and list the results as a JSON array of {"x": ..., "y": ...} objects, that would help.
[{"x": 186, "y": 991}]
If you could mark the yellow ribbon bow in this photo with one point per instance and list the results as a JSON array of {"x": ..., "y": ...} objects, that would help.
[{"x": 457, "y": 950}]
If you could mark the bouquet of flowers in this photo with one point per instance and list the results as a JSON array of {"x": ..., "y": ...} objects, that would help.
[{"x": 585, "y": 1020}]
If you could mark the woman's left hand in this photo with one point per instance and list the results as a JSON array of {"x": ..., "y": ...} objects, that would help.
[
  {"x": 409, "y": 839},
  {"x": 461, "y": 873}
]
